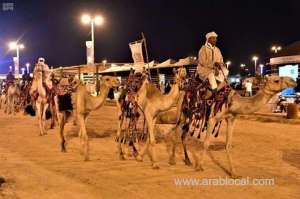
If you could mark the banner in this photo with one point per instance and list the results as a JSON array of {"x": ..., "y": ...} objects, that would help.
[
  {"x": 89, "y": 52},
  {"x": 137, "y": 52},
  {"x": 16, "y": 64}
]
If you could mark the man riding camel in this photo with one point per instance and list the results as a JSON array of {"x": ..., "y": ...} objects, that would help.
[
  {"x": 10, "y": 80},
  {"x": 41, "y": 66},
  {"x": 211, "y": 66}
]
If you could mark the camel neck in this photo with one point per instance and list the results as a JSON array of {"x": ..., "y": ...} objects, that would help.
[
  {"x": 249, "y": 105},
  {"x": 98, "y": 101},
  {"x": 167, "y": 101}
]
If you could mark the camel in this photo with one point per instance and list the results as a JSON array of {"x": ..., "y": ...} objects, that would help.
[
  {"x": 42, "y": 101},
  {"x": 238, "y": 105},
  {"x": 152, "y": 102},
  {"x": 83, "y": 103},
  {"x": 2, "y": 101},
  {"x": 12, "y": 97}
]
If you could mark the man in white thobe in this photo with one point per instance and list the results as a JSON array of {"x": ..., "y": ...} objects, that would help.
[
  {"x": 211, "y": 65},
  {"x": 42, "y": 67}
]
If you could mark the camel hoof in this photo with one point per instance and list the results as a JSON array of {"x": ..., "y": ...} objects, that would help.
[
  {"x": 234, "y": 176},
  {"x": 155, "y": 166},
  {"x": 199, "y": 168},
  {"x": 187, "y": 162},
  {"x": 121, "y": 157},
  {"x": 139, "y": 158},
  {"x": 86, "y": 159},
  {"x": 172, "y": 161}
]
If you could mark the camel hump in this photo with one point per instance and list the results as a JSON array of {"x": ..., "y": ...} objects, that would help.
[{"x": 152, "y": 91}]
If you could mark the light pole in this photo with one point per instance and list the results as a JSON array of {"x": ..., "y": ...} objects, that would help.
[
  {"x": 261, "y": 69},
  {"x": 276, "y": 48},
  {"x": 16, "y": 46},
  {"x": 27, "y": 67},
  {"x": 97, "y": 20},
  {"x": 228, "y": 63},
  {"x": 255, "y": 58},
  {"x": 23, "y": 71}
]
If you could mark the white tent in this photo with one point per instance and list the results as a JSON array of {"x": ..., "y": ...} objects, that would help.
[
  {"x": 167, "y": 63},
  {"x": 186, "y": 61},
  {"x": 117, "y": 68}
]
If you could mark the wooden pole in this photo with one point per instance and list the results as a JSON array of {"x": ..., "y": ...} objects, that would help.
[
  {"x": 97, "y": 79},
  {"x": 61, "y": 72},
  {"x": 79, "y": 73},
  {"x": 146, "y": 51}
]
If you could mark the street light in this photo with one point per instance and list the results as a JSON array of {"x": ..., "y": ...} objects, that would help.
[
  {"x": 23, "y": 71},
  {"x": 243, "y": 65},
  {"x": 97, "y": 20},
  {"x": 255, "y": 58},
  {"x": 16, "y": 46},
  {"x": 27, "y": 67},
  {"x": 228, "y": 63},
  {"x": 276, "y": 48},
  {"x": 261, "y": 69}
]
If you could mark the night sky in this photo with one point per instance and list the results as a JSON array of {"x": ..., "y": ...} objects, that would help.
[{"x": 174, "y": 29}]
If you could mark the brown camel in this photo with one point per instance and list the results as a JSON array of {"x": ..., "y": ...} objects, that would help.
[
  {"x": 152, "y": 102},
  {"x": 12, "y": 97},
  {"x": 238, "y": 105},
  {"x": 83, "y": 103}
]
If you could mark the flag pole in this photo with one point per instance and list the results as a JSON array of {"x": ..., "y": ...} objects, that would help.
[{"x": 146, "y": 51}]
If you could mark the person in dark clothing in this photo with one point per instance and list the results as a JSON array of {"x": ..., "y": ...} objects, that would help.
[
  {"x": 10, "y": 77},
  {"x": 111, "y": 94},
  {"x": 167, "y": 87}
]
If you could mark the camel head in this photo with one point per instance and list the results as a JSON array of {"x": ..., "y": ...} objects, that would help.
[
  {"x": 180, "y": 76},
  {"x": 110, "y": 81},
  {"x": 275, "y": 84}
]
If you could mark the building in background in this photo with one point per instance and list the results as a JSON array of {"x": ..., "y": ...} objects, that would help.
[{"x": 286, "y": 63}]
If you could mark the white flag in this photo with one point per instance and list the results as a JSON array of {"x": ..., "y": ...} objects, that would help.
[
  {"x": 137, "y": 53},
  {"x": 89, "y": 52}
]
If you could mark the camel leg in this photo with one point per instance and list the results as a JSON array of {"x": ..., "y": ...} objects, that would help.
[
  {"x": 45, "y": 107},
  {"x": 230, "y": 126},
  {"x": 62, "y": 122},
  {"x": 12, "y": 106},
  {"x": 172, "y": 149},
  {"x": 184, "y": 133},
  {"x": 186, "y": 159},
  {"x": 119, "y": 139},
  {"x": 151, "y": 145},
  {"x": 84, "y": 137},
  {"x": 39, "y": 116},
  {"x": 199, "y": 164}
]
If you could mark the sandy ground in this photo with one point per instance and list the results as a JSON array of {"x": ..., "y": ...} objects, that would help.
[{"x": 34, "y": 167}]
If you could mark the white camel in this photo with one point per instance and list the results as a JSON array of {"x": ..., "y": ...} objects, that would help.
[
  {"x": 83, "y": 104},
  {"x": 40, "y": 80}
]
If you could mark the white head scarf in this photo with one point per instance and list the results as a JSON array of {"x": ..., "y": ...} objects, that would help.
[{"x": 211, "y": 34}]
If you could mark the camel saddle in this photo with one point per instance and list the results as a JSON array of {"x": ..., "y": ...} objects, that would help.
[
  {"x": 127, "y": 98},
  {"x": 199, "y": 103}
]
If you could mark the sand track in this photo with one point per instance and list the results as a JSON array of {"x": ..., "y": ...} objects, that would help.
[{"x": 35, "y": 168}]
